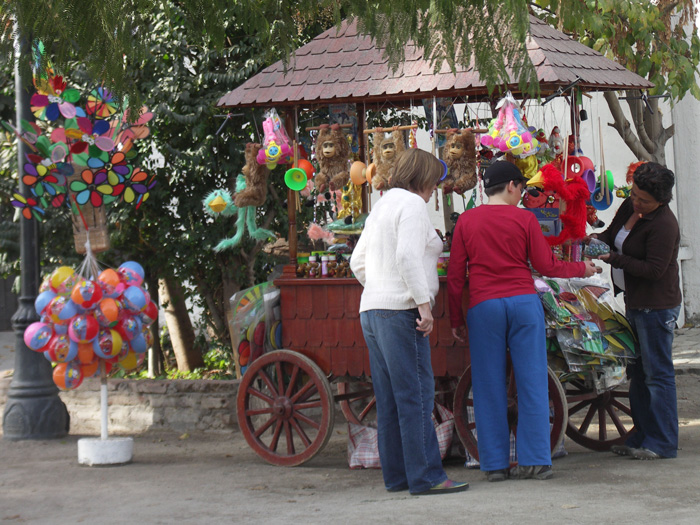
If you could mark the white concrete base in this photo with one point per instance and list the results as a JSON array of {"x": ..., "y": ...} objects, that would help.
[{"x": 104, "y": 452}]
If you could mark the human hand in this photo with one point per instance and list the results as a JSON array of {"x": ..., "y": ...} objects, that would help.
[
  {"x": 604, "y": 257},
  {"x": 460, "y": 333},
  {"x": 425, "y": 323},
  {"x": 591, "y": 269}
]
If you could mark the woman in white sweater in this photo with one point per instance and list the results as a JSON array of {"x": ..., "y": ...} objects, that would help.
[{"x": 395, "y": 260}]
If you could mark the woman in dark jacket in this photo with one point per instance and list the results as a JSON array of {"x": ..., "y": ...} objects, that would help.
[{"x": 644, "y": 240}]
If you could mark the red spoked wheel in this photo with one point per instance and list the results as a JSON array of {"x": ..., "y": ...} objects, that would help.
[
  {"x": 598, "y": 421},
  {"x": 464, "y": 410},
  {"x": 285, "y": 408},
  {"x": 357, "y": 402}
]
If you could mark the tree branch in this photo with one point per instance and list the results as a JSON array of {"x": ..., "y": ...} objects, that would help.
[{"x": 623, "y": 127}]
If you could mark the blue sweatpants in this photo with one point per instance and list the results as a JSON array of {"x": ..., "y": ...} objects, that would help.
[{"x": 516, "y": 323}]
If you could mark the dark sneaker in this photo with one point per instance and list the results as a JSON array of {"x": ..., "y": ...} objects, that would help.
[
  {"x": 621, "y": 450},
  {"x": 446, "y": 487},
  {"x": 497, "y": 475},
  {"x": 644, "y": 453},
  {"x": 540, "y": 472}
]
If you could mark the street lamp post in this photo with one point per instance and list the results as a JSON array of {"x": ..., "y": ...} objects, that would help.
[{"x": 33, "y": 409}]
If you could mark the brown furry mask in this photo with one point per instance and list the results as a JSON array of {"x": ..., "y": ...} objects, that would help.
[
  {"x": 459, "y": 154},
  {"x": 332, "y": 152},
  {"x": 255, "y": 191},
  {"x": 384, "y": 154}
]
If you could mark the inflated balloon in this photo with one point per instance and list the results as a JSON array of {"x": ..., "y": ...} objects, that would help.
[
  {"x": 111, "y": 284},
  {"x": 135, "y": 299},
  {"x": 86, "y": 294},
  {"x": 62, "y": 280},
  {"x": 91, "y": 369},
  {"x": 83, "y": 328},
  {"x": 37, "y": 336},
  {"x": 61, "y": 309},
  {"x": 129, "y": 328},
  {"x": 131, "y": 360},
  {"x": 107, "y": 312},
  {"x": 109, "y": 344},
  {"x": 138, "y": 344},
  {"x": 68, "y": 376},
  {"x": 131, "y": 273},
  {"x": 60, "y": 349},
  {"x": 86, "y": 351},
  {"x": 42, "y": 301},
  {"x": 150, "y": 314},
  {"x": 45, "y": 285}
]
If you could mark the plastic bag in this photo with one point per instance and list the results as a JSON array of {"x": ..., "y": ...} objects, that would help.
[
  {"x": 276, "y": 144},
  {"x": 596, "y": 248},
  {"x": 248, "y": 329}
]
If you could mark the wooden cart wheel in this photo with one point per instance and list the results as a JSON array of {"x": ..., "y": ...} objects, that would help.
[
  {"x": 598, "y": 421},
  {"x": 464, "y": 410},
  {"x": 285, "y": 408},
  {"x": 360, "y": 405}
]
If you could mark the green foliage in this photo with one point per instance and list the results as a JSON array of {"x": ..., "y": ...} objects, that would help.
[{"x": 657, "y": 39}]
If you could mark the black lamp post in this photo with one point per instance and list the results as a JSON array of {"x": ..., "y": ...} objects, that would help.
[{"x": 33, "y": 409}]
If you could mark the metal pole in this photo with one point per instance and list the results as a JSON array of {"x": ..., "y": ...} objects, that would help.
[{"x": 33, "y": 409}]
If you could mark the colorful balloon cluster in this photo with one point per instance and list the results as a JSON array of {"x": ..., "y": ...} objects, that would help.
[
  {"x": 508, "y": 133},
  {"x": 88, "y": 322}
]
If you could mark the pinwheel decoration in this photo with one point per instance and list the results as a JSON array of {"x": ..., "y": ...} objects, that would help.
[
  {"x": 89, "y": 134},
  {"x": 92, "y": 188},
  {"x": 101, "y": 103},
  {"x": 115, "y": 166},
  {"x": 136, "y": 187},
  {"x": 47, "y": 184},
  {"x": 57, "y": 100},
  {"x": 30, "y": 207}
]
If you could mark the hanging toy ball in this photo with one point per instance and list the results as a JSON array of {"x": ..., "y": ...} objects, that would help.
[
  {"x": 43, "y": 300},
  {"x": 59, "y": 349},
  {"x": 68, "y": 376},
  {"x": 132, "y": 273},
  {"x": 61, "y": 309},
  {"x": 135, "y": 299},
  {"x": 37, "y": 336},
  {"x": 107, "y": 312},
  {"x": 86, "y": 294},
  {"x": 109, "y": 344},
  {"x": 62, "y": 280},
  {"x": 83, "y": 328},
  {"x": 110, "y": 283}
]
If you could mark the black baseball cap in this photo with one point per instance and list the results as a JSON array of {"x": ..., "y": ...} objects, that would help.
[{"x": 502, "y": 171}]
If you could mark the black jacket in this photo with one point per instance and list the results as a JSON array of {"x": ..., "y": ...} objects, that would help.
[{"x": 649, "y": 257}]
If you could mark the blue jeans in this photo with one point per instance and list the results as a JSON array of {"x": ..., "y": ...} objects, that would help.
[
  {"x": 404, "y": 387},
  {"x": 516, "y": 323},
  {"x": 653, "y": 382}
]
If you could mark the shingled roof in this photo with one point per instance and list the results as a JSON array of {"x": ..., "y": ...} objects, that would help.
[{"x": 342, "y": 65}]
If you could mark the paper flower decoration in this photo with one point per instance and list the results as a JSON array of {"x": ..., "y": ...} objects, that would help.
[
  {"x": 89, "y": 134},
  {"x": 93, "y": 187},
  {"x": 30, "y": 208},
  {"x": 101, "y": 103},
  {"x": 55, "y": 101}
]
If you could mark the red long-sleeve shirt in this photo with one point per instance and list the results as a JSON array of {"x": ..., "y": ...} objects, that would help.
[{"x": 497, "y": 241}]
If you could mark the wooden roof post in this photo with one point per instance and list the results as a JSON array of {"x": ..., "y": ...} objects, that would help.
[{"x": 289, "y": 125}]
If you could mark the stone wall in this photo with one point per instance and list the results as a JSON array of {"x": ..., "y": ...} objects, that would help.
[{"x": 137, "y": 406}]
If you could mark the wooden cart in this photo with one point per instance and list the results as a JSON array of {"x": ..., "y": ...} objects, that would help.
[{"x": 286, "y": 400}]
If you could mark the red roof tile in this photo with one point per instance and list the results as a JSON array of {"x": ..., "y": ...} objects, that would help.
[{"x": 340, "y": 65}]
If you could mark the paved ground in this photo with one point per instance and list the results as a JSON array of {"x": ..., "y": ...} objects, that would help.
[{"x": 207, "y": 478}]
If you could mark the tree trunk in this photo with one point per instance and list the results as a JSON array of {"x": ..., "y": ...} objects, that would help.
[
  {"x": 179, "y": 325},
  {"x": 649, "y": 142}
]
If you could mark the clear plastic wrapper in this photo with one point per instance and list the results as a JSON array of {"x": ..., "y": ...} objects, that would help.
[
  {"x": 587, "y": 337},
  {"x": 596, "y": 248}
]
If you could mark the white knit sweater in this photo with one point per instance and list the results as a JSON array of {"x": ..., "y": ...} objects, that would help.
[{"x": 396, "y": 257}]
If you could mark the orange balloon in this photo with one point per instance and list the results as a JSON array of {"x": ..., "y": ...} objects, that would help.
[
  {"x": 357, "y": 173},
  {"x": 108, "y": 312},
  {"x": 307, "y": 167},
  {"x": 85, "y": 353},
  {"x": 90, "y": 369}
]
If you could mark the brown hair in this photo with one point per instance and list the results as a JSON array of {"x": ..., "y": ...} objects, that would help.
[{"x": 416, "y": 170}]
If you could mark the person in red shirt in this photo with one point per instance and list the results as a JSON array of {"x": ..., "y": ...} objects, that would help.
[{"x": 496, "y": 241}]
